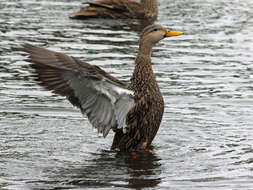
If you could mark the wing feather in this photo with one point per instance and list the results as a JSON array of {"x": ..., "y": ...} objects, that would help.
[{"x": 104, "y": 99}]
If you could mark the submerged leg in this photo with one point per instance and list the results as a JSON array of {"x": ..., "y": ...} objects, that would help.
[{"x": 117, "y": 138}]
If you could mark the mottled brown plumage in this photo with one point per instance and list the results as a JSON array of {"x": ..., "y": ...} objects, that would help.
[
  {"x": 120, "y": 9},
  {"x": 133, "y": 111}
]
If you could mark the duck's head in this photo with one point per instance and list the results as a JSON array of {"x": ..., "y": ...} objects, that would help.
[{"x": 154, "y": 33}]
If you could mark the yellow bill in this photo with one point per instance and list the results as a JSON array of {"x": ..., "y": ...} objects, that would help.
[{"x": 170, "y": 33}]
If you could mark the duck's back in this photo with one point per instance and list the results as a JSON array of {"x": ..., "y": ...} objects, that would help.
[{"x": 110, "y": 9}]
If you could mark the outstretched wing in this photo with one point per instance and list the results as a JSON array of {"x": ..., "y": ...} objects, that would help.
[{"x": 104, "y": 99}]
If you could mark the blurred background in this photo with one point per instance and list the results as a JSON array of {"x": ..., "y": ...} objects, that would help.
[{"x": 206, "y": 76}]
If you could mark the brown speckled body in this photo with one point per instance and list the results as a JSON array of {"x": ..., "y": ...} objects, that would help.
[
  {"x": 144, "y": 119},
  {"x": 119, "y": 9}
]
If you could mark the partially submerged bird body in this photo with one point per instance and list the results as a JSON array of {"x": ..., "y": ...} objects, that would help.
[
  {"x": 120, "y": 9},
  {"x": 133, "y": 111},
  {"x": 144, "y": 119}
]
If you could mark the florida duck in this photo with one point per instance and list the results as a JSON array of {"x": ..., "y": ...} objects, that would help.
[
  {"x": 121, "y": 9},
  {"x": 133, "y": 111}
]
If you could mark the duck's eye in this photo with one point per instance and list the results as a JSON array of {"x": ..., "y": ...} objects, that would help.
[{"x": 155, "y": 29}]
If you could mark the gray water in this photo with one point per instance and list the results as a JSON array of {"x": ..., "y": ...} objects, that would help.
[{"x": 206, "y": 76}]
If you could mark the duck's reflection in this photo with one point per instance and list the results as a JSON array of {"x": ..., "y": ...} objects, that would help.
[
  {"x": 144, "y": 171},
  {"x": 136, "y": 26},
  {"x": 118, "y": 25},
  {"x": 118, "y": 170}
]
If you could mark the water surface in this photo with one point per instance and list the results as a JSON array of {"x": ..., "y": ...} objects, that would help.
[{"x": 206, "y": 76}]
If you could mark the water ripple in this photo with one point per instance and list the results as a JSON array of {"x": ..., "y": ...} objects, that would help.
[{"x": 206, "y": 75}]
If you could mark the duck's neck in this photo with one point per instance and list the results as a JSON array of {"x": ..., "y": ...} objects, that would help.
[
  {"x": 143, "y": 76},
  {"x": 150, "y": 6},
  {"x": 145, "y": 49}
]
